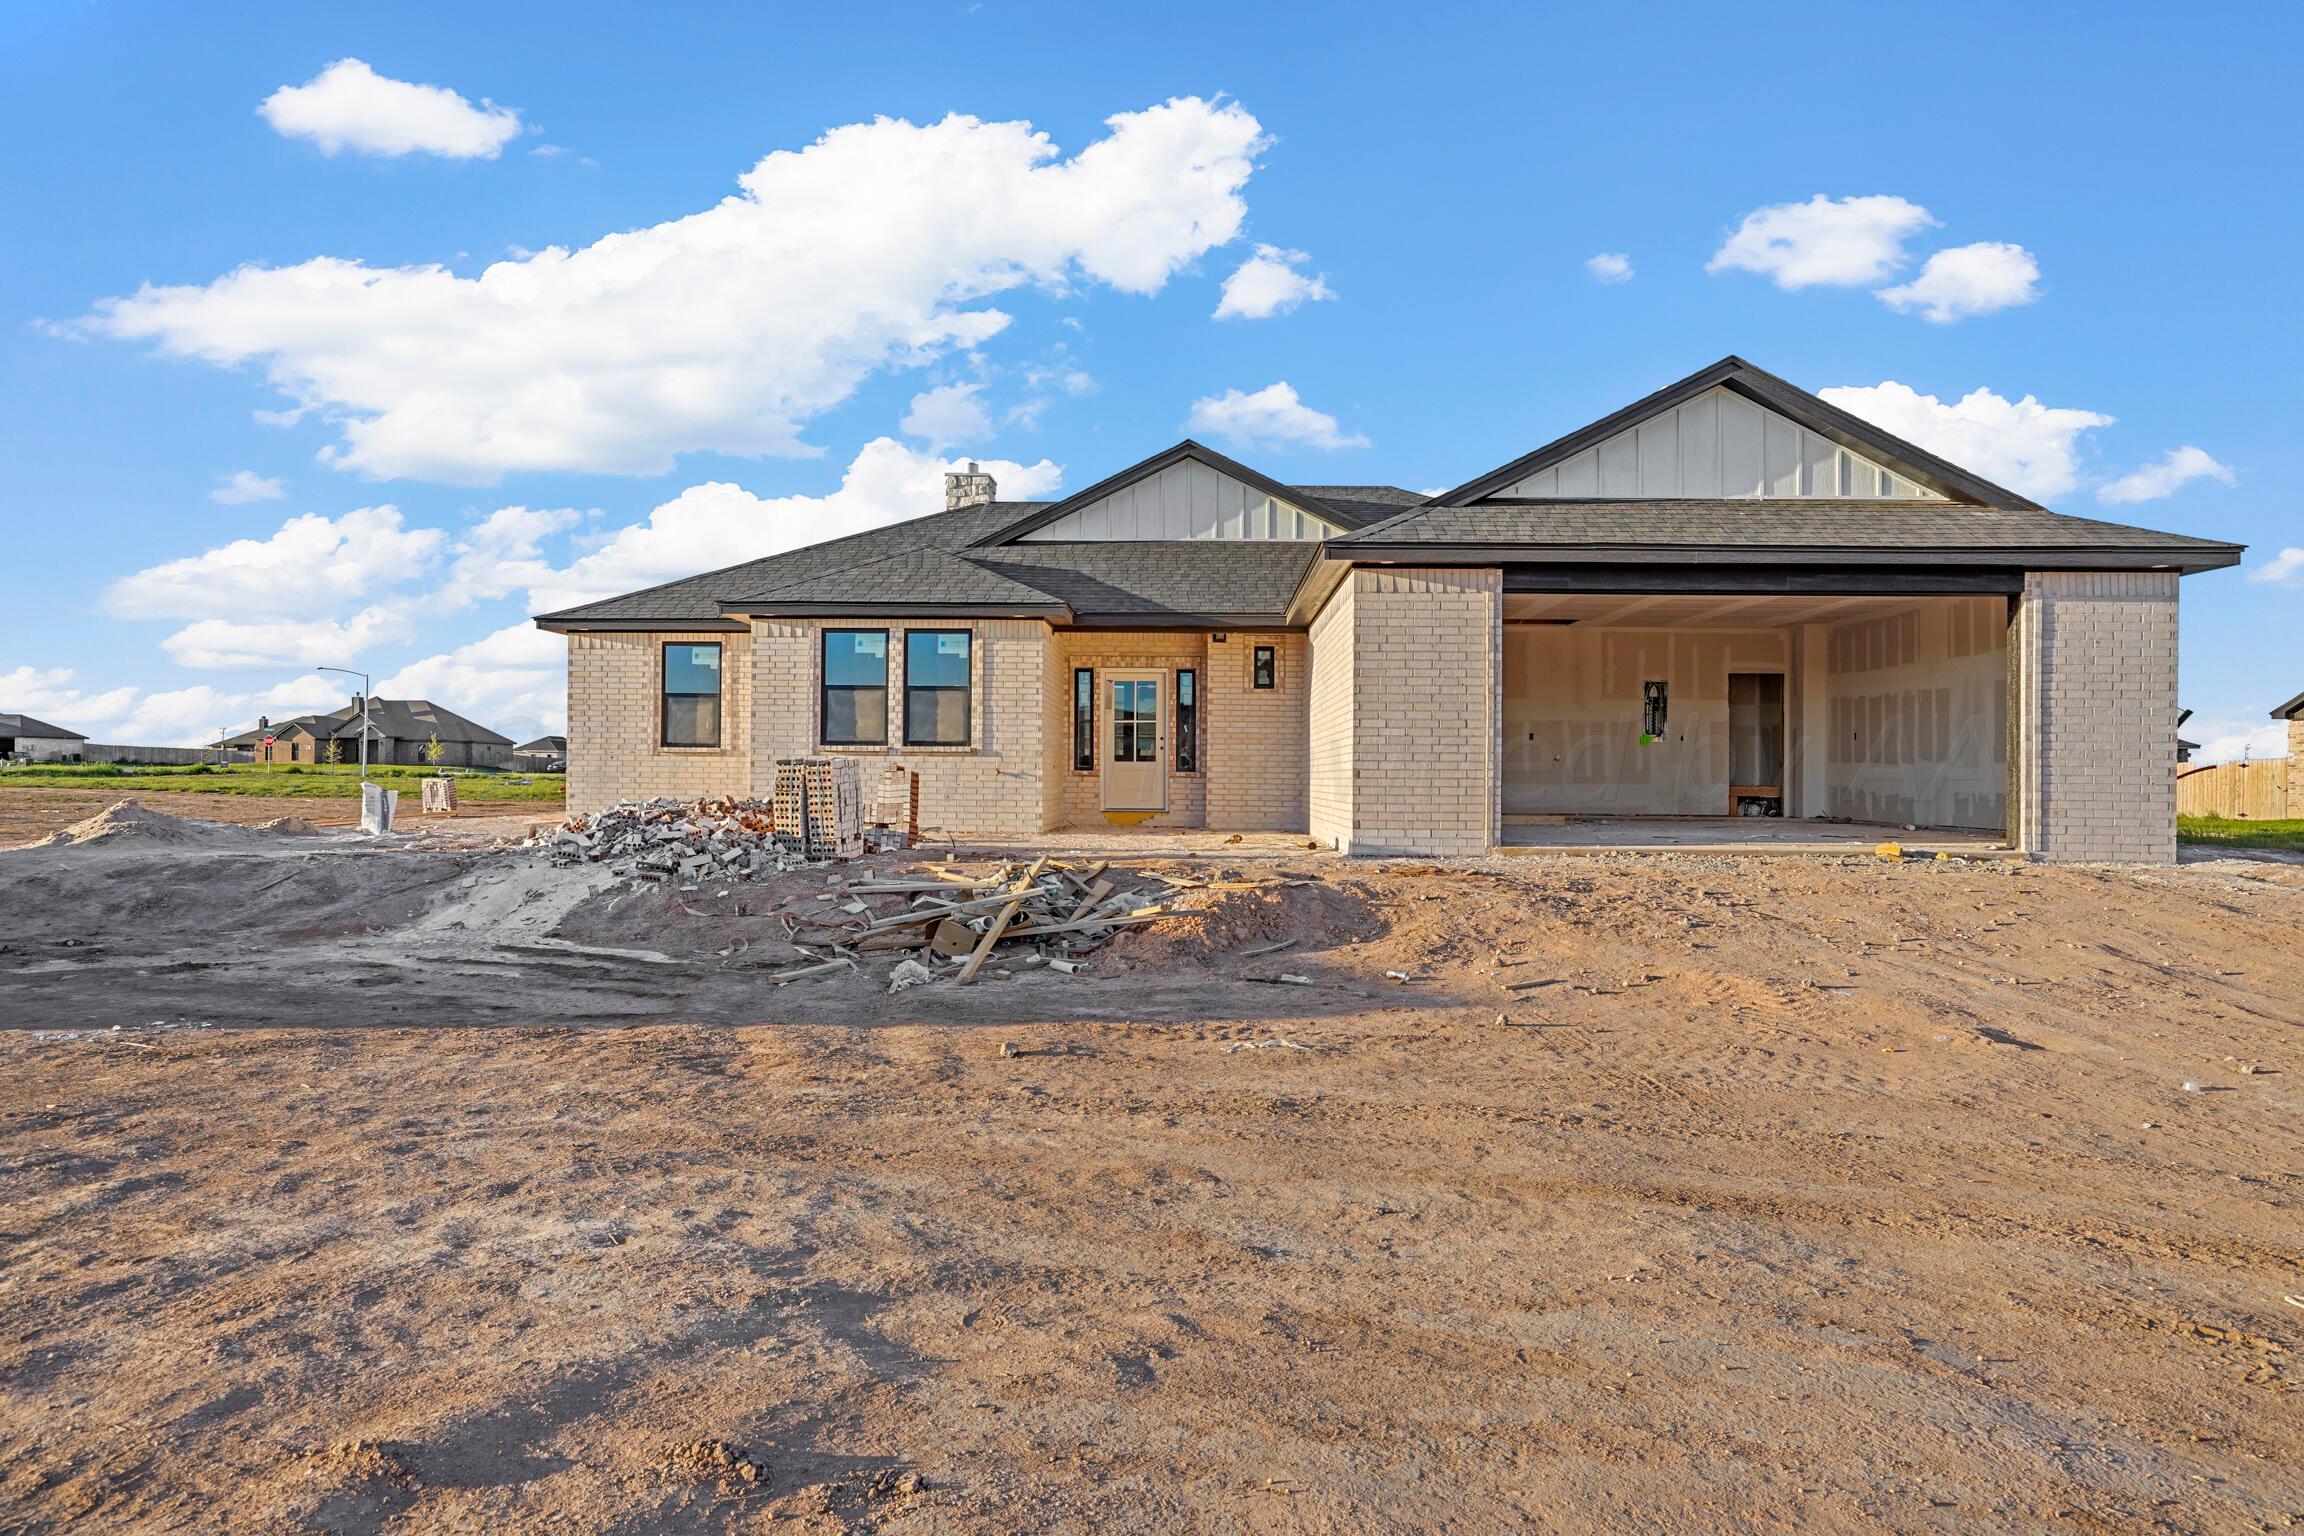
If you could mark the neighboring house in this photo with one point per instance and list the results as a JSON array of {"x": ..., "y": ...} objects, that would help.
[
  {"x": 23, "y": 736},
  {"x": 2293, "y": 713},
  {"x": 1730, "y": 596},
  {"x": 399, "y": 731},
  {"x": 546, "y": 754},
  {"x": 2184, "y": 749}
]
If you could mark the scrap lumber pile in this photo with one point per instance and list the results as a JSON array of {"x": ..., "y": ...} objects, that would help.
[
  {"x": 684, "y": 841},
  {"x": 1053, "y": 914}
]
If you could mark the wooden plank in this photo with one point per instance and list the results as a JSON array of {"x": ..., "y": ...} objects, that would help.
[{"x": 992, "y": 934}]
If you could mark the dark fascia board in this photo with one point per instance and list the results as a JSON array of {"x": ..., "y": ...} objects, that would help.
[
  {"x": 560, "y": 626},
  {"x": 2188, "y": 561},
  {"x": 2287, "y": 711},
  {"x": 1762, "y": 580},
  {"x": 1055, "y": 613},
  {"x": 1763, "y": 388},
  {"x": 1262, "y": 623},
  {"x": 1187, "y": 449}
]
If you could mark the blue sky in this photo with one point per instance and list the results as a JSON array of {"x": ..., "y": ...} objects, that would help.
[{"x": 2113, "y": 189}]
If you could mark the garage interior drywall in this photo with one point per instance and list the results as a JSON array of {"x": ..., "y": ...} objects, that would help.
[{"x": 1895, "y": 709}]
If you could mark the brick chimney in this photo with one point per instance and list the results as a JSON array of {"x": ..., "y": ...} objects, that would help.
[{"x": 973, "y": 488}]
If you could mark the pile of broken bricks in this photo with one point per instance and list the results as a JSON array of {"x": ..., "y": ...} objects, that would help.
[
  {"x": 687, "y": 842},
  {"x": 953, "y": 924}
]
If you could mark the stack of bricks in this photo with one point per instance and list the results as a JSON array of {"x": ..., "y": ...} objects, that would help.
[{"x": 2096, "y": 706}]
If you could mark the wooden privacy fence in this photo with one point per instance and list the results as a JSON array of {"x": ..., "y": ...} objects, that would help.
[{"x": 2259, "y": 791}]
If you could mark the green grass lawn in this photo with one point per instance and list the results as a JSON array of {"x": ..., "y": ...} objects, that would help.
[
  {"x": 2236, "y": 833},
  {"x": 320, "y": 781}
]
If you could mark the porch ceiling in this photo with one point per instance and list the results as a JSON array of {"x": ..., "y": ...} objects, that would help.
[{"x": 1653, "y": 610}]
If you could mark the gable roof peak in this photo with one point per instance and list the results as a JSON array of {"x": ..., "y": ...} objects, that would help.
[
  {"x": 1144, "y": 469},
  {"x": 1773, "y": 393}
]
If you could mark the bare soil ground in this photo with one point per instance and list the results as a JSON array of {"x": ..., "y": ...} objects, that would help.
[
  {"x": 31, "y": 812},
  {"x": 1671, "y": 1194}
]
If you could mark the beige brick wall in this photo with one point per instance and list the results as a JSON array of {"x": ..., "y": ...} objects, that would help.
[
  {"x": 1328, "y": 712},
  {"x": 1427, "y": 677},
  {"x": 1254, "y": 740},
  {"x": 997, "y": 784},
  {"x": 615, "y": 721},
  {"x": 2095, "y": 663}
]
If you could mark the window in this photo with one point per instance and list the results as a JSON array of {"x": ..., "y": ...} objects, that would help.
[
  {"x": 692, "y": 695},
  {"x": 1187, "y": 720},
  {"x": 855, "y": 708},
  {"x": 1655, "y": 701},
  {"x": 1265, "y": 669},
  {"x": 1083, "y": 720},
  {"x": 1135, "y": 721},
  {"x": 936, "y": 687}
]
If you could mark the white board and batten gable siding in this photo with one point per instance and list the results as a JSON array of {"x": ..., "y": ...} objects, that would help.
[
  {"x": 1187, "y": 500},
  {"x": 1718, "y": 444}
]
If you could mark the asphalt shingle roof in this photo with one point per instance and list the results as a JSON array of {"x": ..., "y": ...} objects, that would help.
[
  {"x": 388, "y": 719},
  {"x": 1240, "y": 581},
  {"x": 25, "y": 725},
  {"x": 1762, "y": 524},
  {"x": 939, "y": 559}
]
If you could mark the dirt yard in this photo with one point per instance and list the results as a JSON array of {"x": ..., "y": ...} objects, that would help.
[
  {"x": 1668, "y": 1194},
  {"x": 28, "y": 813}
]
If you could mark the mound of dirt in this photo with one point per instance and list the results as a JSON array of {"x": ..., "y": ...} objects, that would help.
[
  {"x": 129, "y": 819},
  {"x": 714, "y": 1461},
  {"x": 1231, "y": 915},
  {"x": 357, "y": 1461}
]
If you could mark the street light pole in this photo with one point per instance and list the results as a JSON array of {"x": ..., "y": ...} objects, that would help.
[{"x": 364, "y": 692}]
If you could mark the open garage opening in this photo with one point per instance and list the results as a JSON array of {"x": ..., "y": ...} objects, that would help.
[{"x": 1882, "y": 710}]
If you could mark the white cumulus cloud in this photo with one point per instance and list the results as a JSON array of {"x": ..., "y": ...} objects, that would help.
[
  {"x": 2178, "y": 467},
  {"x": 2285, "y": 569},
  {"x": 713, "y": 525},
  {"x": 228, "y": 643},
  {"x": 1273, "y": 416},
  {"x": 245, "y": 485},
  {"x": 948, "y": 414},
  {"x": 1838, "y": 242},
  {"x": 1268, "y": 283},
  {"x": 311, "y": 566},
  {"x": 1610, "y": 267},
  {"x": 2030, "y": 448},
  {"x": 515, "y": 680},
  {"x": 728, "y": 329},
  {"x": 1968, "y": 280},
  {"x": 180, "y": 717},
  {"x": 350, "y": 106},
  {"x": 2231, "y": 741}
]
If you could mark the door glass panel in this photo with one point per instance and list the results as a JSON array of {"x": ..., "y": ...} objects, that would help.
[{"x": 1135, "y": 721}]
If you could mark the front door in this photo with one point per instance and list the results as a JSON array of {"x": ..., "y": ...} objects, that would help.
[{"x": 1135, "y": 757}]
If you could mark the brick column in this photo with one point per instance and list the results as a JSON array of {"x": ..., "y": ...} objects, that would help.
[
  {"x": 2094, "y": 667},
  {"x": 1426, "y": 678}
]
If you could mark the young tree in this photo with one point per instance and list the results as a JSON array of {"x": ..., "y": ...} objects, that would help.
[
  {"x": 434, "y": 750},
  {"x": 333, "y": 752}
]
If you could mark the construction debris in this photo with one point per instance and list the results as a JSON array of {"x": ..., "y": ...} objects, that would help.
[
  {"x": 439, "y": 796},
  {"x": 685, "y": 841},
  {"x": 1050, "y": 915}
]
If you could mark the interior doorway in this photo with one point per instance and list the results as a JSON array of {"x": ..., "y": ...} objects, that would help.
[{"x": 1756, "y": 743}]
